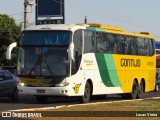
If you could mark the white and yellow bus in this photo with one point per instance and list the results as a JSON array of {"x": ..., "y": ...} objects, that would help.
[{"x": 85, "y": 60}]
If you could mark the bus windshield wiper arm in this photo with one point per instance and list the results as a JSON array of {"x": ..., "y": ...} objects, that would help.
[
  {"x": 38, "y": 62},
  {"x": 49, "y": 69}
]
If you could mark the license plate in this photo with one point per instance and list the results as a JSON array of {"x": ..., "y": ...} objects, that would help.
[{"x": 40, "y": 91}]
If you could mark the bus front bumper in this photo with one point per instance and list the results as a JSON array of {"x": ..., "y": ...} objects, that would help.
[{"x": 48, "y": 91}]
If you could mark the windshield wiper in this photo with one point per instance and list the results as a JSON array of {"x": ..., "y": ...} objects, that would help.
[
  {"x": 37, "y": 63},
  {"x": 49, "y": 69}
]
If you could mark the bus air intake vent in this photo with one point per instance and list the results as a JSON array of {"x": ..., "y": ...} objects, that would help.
[
  {"x": 146, "y": 33},
  {"x": 107, "y": 27}
]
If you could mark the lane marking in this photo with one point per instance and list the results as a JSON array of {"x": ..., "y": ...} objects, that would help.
[{"x": 63, "y": 106}]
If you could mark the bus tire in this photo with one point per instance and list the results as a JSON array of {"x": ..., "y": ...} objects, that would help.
[
  {"x": 87, "y": 94},
  {"x": 140, "y": 91},
  {"x": 134, "y": 92},
  {"x": 42, "y": 99}
]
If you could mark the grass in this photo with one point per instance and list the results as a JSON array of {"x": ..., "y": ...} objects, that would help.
[
  {"x": 143, "y": 106},
  {"x": 125, "y": 110}
]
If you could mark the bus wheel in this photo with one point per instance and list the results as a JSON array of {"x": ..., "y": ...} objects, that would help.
[
  {"x": 140, "y": 90},
  {"x": 41, "y": 99},
  {"x": 134, "y": 90},
  {"x": 87, "y": 94}
]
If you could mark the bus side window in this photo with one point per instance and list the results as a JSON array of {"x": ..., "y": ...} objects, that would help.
[
  {"x": 101, "y": 42},
  {"x": 151, "y": 47},
  {"x": 77, "y": 39},
  {"x": 111, "y": 44},
  {"x": 146, "y": 47},
  {"x": 121, "y": 44},
  {"x": 140, "y": 46},
  {"x": 89, "y": 42},
  {"x": 128, "y": 48},
  {"x": 134, "y": 46}
]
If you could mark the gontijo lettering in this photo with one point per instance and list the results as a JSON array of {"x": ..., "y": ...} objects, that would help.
[{"x": 130, "y": 62}]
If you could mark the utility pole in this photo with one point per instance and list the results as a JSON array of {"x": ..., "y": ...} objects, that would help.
[
  {"x": 85, "y": 20},
  {"x": 25, "y": 13}
]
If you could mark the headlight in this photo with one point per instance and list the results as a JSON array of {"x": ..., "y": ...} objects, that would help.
[
  {"x": 62, "y": 84},
  {"x": 20, "y": 83}
]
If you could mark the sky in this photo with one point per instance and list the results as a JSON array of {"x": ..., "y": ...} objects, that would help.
[{"x": 132, "y": 15}]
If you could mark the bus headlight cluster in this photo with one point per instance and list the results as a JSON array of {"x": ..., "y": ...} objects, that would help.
[
  {"x": 22, "y": 84},
  {"x": 62, "y": 84}
]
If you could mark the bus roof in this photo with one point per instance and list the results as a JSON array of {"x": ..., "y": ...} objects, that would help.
[
  {"x": 119, "y": 30},
  {"x": 71, "y": 27},
  {"x": 90, "y": 26}
]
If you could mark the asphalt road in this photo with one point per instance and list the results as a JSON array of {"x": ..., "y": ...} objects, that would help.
[{"x": 27, "y": 102}]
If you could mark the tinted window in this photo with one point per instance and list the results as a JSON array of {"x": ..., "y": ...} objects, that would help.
[
  {"x": 121, "y": 43},
  {"x": 7, "y": 76},
  {"x": 151, "y": 47},
  {"x": 1, "y": 76},
  {"x": 127, "y": 45},
  {"x": 101, "y": 42},
  {"x": 140, "y": 46},
  {"x": 78, "y": 42},
  {"x": 146, "y": 46},
  {"x": 118, "y": 44},
  {"x": 111, "y": 43},
  {"x": 77, "y": 39},
  {"x": 46, "y": 38},
  {"x": 133, "y": 46},
  {"x": 89, "y": 41}
]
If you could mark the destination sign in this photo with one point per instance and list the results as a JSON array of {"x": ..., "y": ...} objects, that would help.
[{"x": 50, "y": 12}]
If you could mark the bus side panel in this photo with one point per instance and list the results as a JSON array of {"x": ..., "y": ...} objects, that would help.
[
  {"x": 135, "y": 68},
  {"x": 112, "y": 74},
  {"x": 100, "y": 69},
  {"x": 151, "y": 69}
]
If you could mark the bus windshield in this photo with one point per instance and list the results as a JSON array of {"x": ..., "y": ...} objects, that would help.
[{"x": 44, "y": 54}]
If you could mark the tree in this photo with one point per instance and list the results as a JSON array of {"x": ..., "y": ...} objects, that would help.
[{"x": 9, "y": 32}]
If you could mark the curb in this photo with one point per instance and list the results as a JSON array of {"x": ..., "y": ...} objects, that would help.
[{"x": 63, "y": 106}]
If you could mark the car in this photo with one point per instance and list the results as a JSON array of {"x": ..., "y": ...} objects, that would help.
[
  {"x": 8, "y": 85},
  {"x": 157, "y": 85}
]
